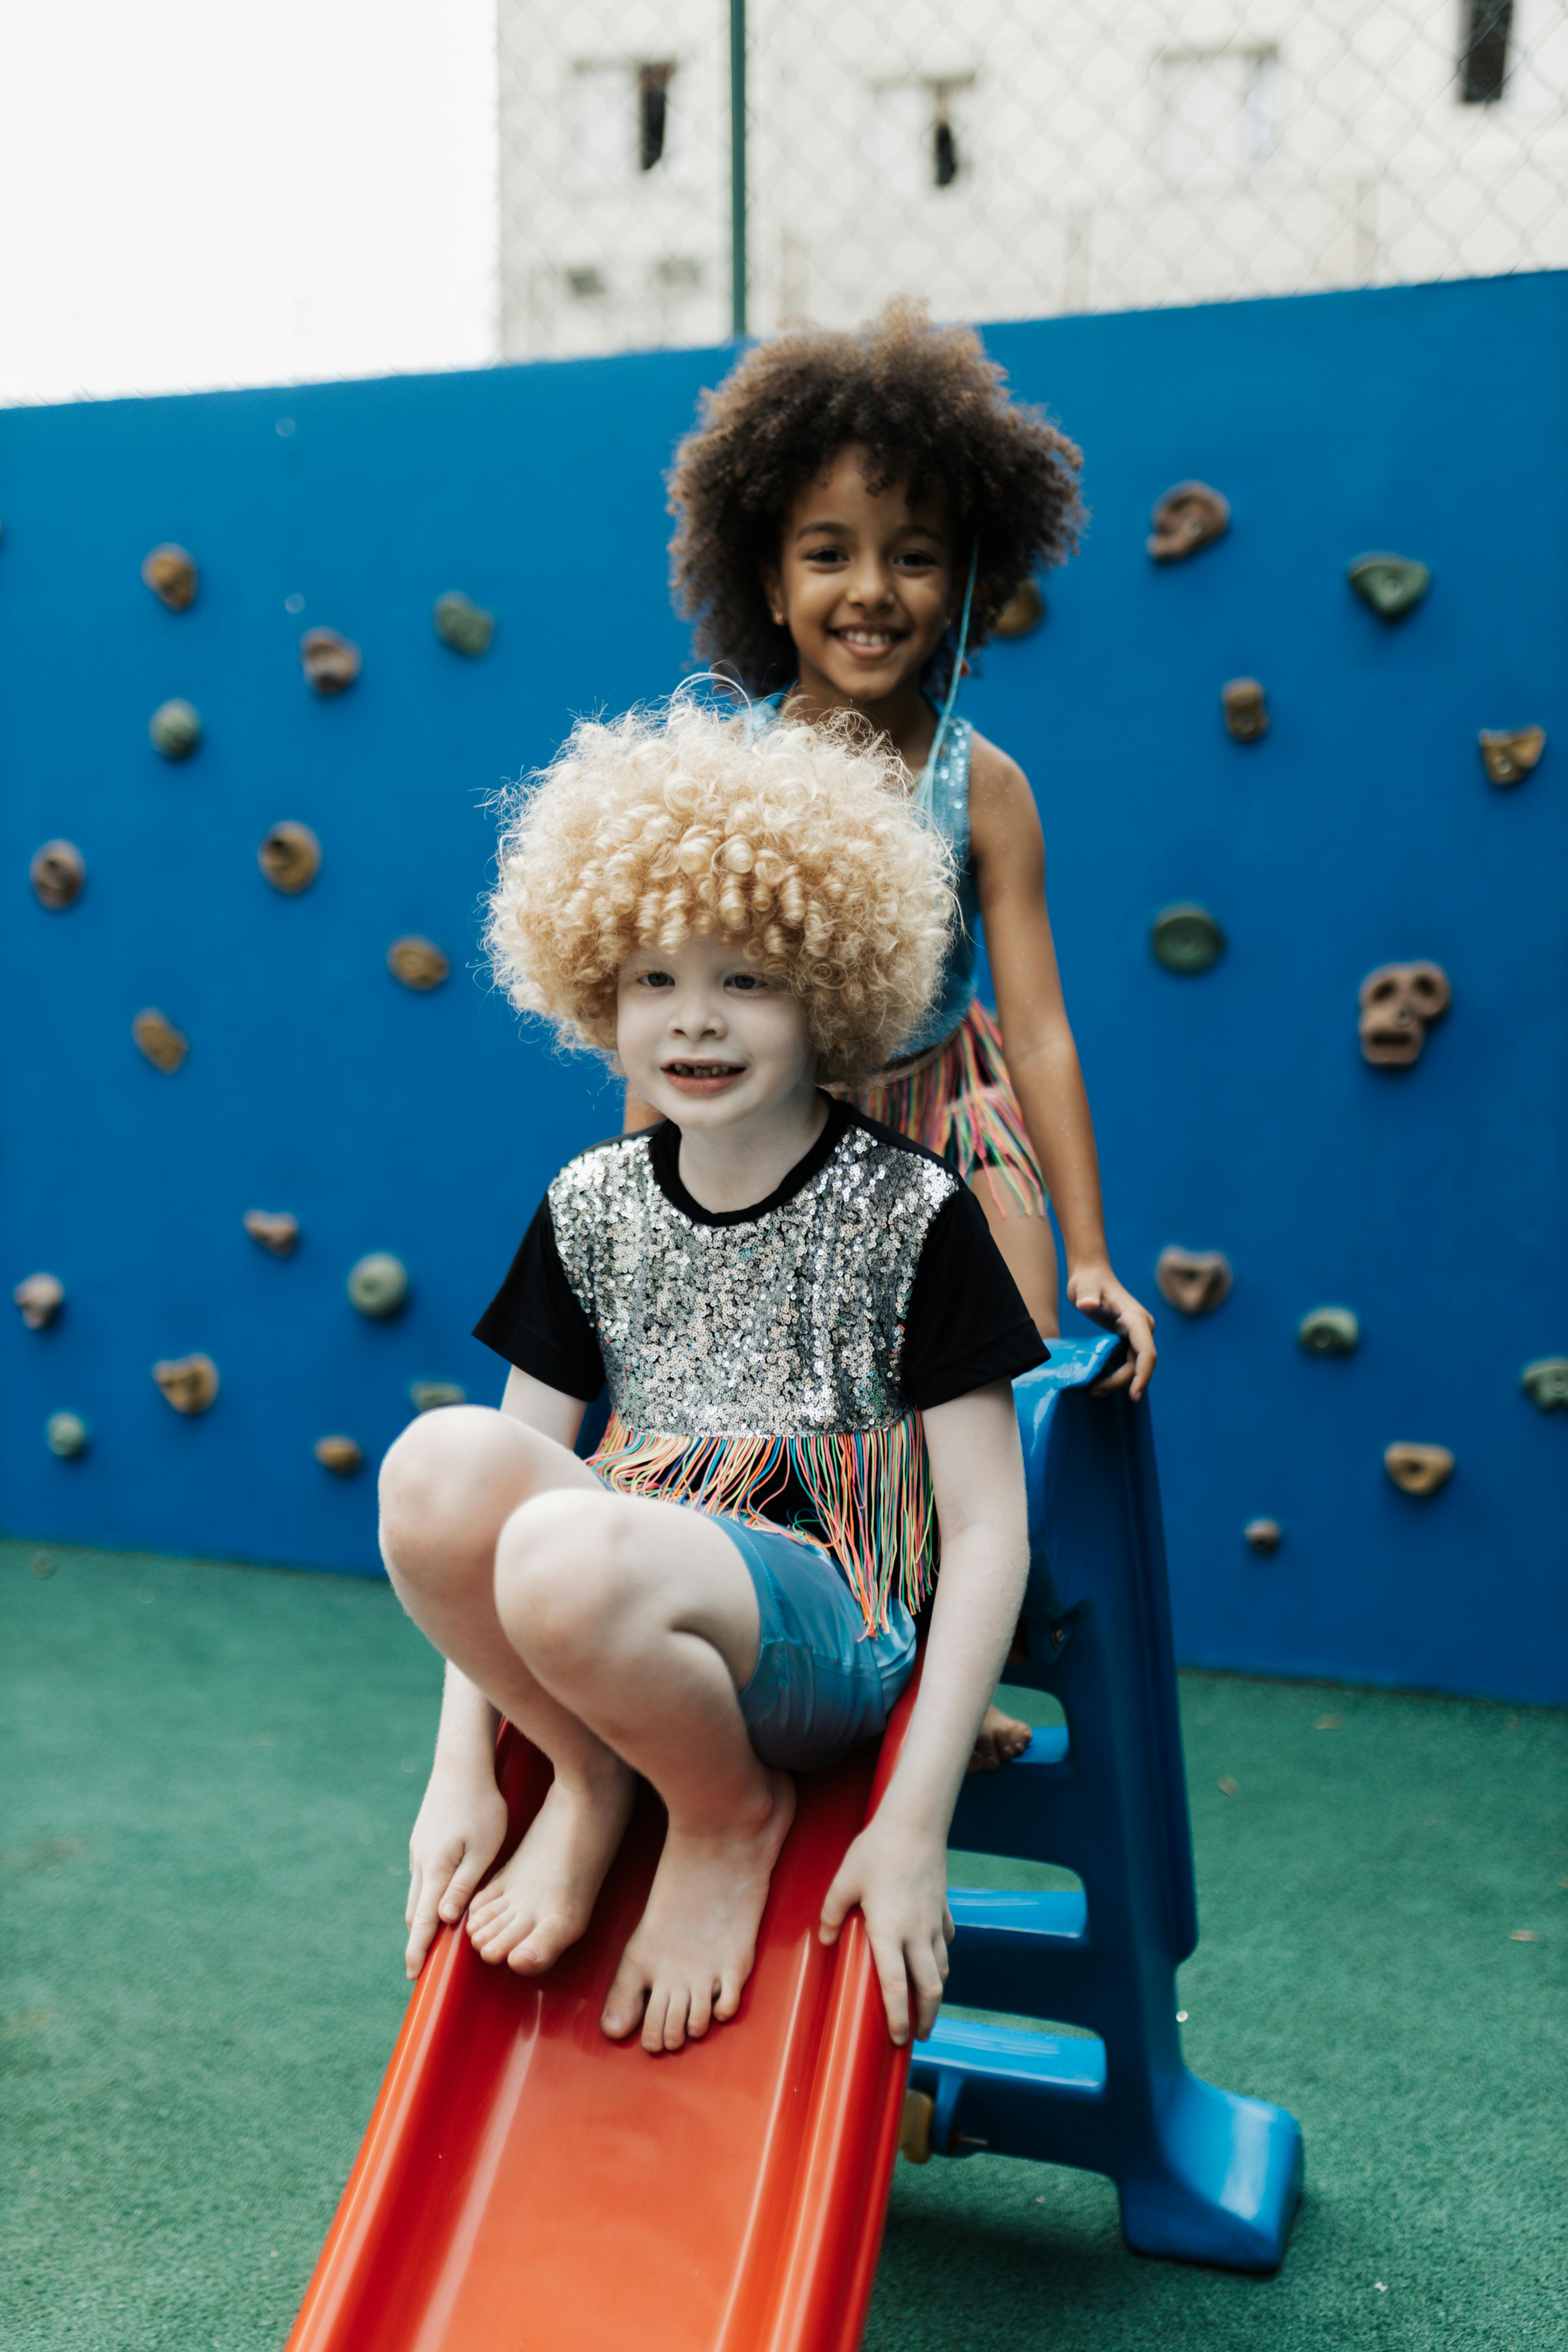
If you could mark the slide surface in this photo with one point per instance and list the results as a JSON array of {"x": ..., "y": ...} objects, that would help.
[{"x": 523, "y": 2182}]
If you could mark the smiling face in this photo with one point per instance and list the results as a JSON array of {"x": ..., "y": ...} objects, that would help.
[
  {"x": 863, "y": 581},
  {"x": 707, "y": 1039}
]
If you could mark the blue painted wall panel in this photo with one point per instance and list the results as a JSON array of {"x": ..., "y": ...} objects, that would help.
[{"x": 1234, "y": 1110}]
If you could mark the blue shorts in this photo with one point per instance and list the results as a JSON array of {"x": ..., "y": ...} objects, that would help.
[{"x": 821, "y": 1684}]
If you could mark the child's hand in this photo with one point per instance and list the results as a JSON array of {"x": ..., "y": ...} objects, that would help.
[
  {"x": 900, "y": 1881},
  {"x": 1095, "y": 1292},
  {"x": 456, "y": 1837}
]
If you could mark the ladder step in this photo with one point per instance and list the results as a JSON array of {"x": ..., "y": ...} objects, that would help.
[{"x": 1006, "y": 2055}]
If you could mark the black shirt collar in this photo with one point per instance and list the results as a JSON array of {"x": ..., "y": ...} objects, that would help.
[{"x": 664, "y": 1157}]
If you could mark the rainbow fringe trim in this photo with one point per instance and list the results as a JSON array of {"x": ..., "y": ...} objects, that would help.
[
  {"x": 959, "y": 1102},
  {"x": 870, "y": 1490}
]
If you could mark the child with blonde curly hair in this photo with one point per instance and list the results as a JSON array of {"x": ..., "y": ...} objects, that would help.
[{"x": 808, "y": 1336}]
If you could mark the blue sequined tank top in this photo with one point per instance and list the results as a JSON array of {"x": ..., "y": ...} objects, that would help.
[{"x": 950, "y": 814}]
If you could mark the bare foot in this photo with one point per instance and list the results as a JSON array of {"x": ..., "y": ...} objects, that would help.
[
  {"x": 694, "y": 1945},
  {"x": 1000, "y": 1738},
  {"x": 542, "y": 1900}
]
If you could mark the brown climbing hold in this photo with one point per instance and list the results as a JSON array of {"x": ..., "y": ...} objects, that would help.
[
  {"x": 1510, "y": 752},
  {"x": 290, "y": 856},
  {"x": 189, "y": 1382},
  {"x": 38, "y": 1299},
  {"x": 1419, "y": 1469},
  {"x": 915, "y": 2127},
  {"x": 330, "y": 662},
  {"x": 1188, "y": 516},
  {"x": 160, "y": 1040},
  {"x": 1021, "y": 614},
  {"x": 171, "y": 574},
  {"x": 1245, "y": 712},
  {"x": 339, "y": 1455},
  {"x": 432, "y": 1396},
  {"x": 274, "y": 1229},
  {"x": 1265, "y": 1535},
  {"x": 57, "y": 874},
  {"x": 1399, "y": 1003},
  {"x": 417, "y": 963},
  {"x": 1194, "y": 1281}
]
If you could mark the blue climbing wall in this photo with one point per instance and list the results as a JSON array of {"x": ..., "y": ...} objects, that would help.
[{"x": 1234, "y": 1110}]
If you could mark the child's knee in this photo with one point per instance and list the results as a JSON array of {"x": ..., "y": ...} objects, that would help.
[
  {"x": 564, "y": 1573},
  {"x": 437, "y": 1480}
]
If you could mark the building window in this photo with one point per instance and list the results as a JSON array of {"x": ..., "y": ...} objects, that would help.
[
  {"x": 918, "y": 136},
  {"x": 587, "y": 285},
  {"x": 653, "y": 113},
  {"x": 619, "y": 122},
  {"x": 1483, "y": 53},
  {"x": 678, "y": 273},
  {"x": 1217, "y": 114}
]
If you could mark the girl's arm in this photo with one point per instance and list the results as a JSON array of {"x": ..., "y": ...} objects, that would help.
[
  {"x": 1009, "y": 852},
  {"x": 896, "y": 1868}
]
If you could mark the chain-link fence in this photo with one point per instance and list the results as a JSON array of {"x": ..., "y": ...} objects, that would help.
[{"x": 1013, "y": 159}]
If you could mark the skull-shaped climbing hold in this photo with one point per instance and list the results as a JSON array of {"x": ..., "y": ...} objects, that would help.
[
  {"x": 1545, "y": 1383},
  {"x": 1399, "y": 1003},
  {"x": 339, "y": 1455},
  {"x": 66, "y": 1433},
  {"x": 467, "y": 627},
  {"x": 38, "y": 1299},
  {"x": 378, "y": 1284},
  {"x": 1329, "y": 1331},
  {"x": 1194, "y": 1281},
  {"x": 418, "y": 963},
  {"x": 1392, "y": 584},
  {"x": 57, "y": 874},
  {"x": 1510, "y": 752},
  {"x": 158, "y": 1038},
  {"x": 1189, "y": 516},
  {"x": 274, "y": 1229},
  {"x": 1245, "y": 712},
  {"x": 1186, "y": 939},
  {"x": 1265, "y": 1535},
  {"x": 330, "y": 662},
  {"x": 176, "y": 728},
  {"x": 429, "y": 1396},
  {"x": 1021, "y": 614},
  {"x": 1417, "y": 1469},
  {"x": 189, "y": 1382},
  {"x": 171, "y": 574},
  {"x": 290, "y": 856}
]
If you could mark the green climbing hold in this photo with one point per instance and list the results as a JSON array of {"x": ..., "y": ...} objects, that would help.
[
  {"x": 176, "y": 728},
  {"x": 1186, "y": 939},
  {"x": 429, "y": 1396},
  {"x": 1392, "y": 584},
  {"x": 378, "y": 1284},
  {"x": 1545, "y": 1383},
  {"x": 467, "y": 627},
  {"x": 1329, "y": 1331},
  {"x": 65, "y": 1433}
]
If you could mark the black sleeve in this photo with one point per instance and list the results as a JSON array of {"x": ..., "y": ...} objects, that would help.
[
  {"x": 966, "y": 1325},
  {"x": 536, "y": 1321}
]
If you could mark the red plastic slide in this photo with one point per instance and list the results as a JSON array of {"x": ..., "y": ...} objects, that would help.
[{"x": 524, "y": 2182}]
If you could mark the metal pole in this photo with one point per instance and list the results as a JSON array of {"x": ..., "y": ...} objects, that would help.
[{"x": 738, "y": 168}]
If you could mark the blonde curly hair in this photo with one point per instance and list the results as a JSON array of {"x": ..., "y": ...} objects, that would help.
[{"x": 648, "y": 830}]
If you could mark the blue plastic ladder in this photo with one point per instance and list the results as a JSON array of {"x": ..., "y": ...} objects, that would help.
[{"x": 1202, "y": 2174}]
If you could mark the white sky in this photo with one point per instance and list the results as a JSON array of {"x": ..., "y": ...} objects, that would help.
[{"x": 215, "y": 192}]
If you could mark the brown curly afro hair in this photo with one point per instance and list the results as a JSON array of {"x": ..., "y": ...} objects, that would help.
[{"x": 928, "y": 407}]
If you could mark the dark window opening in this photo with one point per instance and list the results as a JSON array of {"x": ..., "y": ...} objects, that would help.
[
  {"x": 944, "y": 154},
  {"x": 653, "y": 113},
  {"x": 1483, "y": 60}
]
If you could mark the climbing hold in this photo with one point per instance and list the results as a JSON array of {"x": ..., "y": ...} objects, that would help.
[
  {"x": 57, "y": 874},
  {"x": 417, "y": 963},
  {"x": 330, "y": 663},
  {"x": 1399, "y": 1003},
  {"x": 171, "y": 574},
  {"x": 1419, "y": 1469},
  {"x": 1195, "y": 1281},
  {"x": 1544, "y": 1382},
  {"x": 1186, "y": 939},
  {"x": 189, "y": 1382},
  {"x": 290, "y": 856},
  {"x": 40, "y": 1298},
  {"x": 1188, "y": 516},
  {"x": 1265, "y": 1535},
  {"x": 378, "y": 1284},
  {"x": 1510, "y": 752},
  {"x": 274, "y": 1229},
  {"x": 176, "y": 728},
  {"x": 160, "y": 1040},
  {"x": 467, "y": 627},
  {"x": 1246, "y": 712},
  {"x": 65, "y": 1433},
  {"x": 1021, "y": 614},
  {"x": 1329, "y": 1331},
  {"x": 915, "y": 2127},
  {"x": 1392, "y": 584},
  {"x": 429, "y": 1396},
  {"x": 340, "y": 1454}
]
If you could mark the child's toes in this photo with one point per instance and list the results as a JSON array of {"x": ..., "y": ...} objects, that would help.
[
  {"x": 699, "y": 2015},
  {"x": 677, "y": 2010},
  {"x": 623, "y": 2011}
]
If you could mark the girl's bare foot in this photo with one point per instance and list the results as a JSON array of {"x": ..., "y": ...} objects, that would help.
[
  {"x": 542, "y": 1900},
  {"x": 1000, "y": 1738},
  {"x": 695, "y": 1944}
]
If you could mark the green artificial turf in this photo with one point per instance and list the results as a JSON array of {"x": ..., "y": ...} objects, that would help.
[{"x": 209, "y": 1774}]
